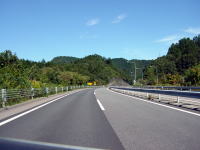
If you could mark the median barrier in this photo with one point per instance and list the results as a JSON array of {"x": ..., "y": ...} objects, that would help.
[{"x": 189, "y": 103}]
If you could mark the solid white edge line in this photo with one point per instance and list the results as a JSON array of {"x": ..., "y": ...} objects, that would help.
[
  {"x": 31, "y": 110},
  {"x": 193, "y": 113},
  {"x": 100, "y": 105}
]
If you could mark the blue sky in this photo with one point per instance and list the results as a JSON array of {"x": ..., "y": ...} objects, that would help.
[{"x": 132, "y": 29}]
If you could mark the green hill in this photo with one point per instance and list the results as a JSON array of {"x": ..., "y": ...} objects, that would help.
[
  {"x": 19, "y": 73},
  {"x": 97, "y": 68},
  {"x": 128, "y": 66},
  {"x": 116, "y": 66},
  {"x": 63, "y": 59}
]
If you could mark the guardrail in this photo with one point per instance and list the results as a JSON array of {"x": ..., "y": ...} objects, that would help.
[
  {"x": 180, "y": 88},
  {"x": 181, "y": 101},
  {"x": 13, "y": 96}
]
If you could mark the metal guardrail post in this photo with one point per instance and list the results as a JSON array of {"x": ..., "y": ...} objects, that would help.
[
  {"x": 147, "y": 94},
  {"x": 3, "y": 94},
  {"x": 62, "y": 89},
  {"x": 178, "y": 99},
  {"x": 159, "y": 96},
  {"x": 32, "y": 93},
  {"x": 47, "y": 91},
  {"x": 56, "y": 89}
]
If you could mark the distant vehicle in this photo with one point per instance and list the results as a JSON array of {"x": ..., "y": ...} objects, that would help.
[{"x": 91, "y": 83}]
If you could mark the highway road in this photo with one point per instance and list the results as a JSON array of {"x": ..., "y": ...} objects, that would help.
[
  {"x": 101, "y": 118},
  {"x": 73, "y": 120},
  {"x": 189, "y": 94}
]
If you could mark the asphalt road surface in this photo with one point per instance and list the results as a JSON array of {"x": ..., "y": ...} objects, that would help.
[
  {"x": 141, "y": 125},
  {"x": 73, "y": 120},
  {"x": 109, "y": 120}
]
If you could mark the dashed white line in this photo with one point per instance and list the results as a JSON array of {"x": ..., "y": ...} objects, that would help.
[
  {"x": 193, "y": 113},
  {"x": 100, "y": 105}
]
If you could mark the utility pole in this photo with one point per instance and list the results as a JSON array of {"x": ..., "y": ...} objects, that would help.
[
  {"x": 156, "y": 75},
  {"x": 135, "y": 73},
  {"x": 142, "y": 74}
]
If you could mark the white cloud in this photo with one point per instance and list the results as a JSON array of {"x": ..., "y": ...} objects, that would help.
[
  {"x": 193, "y": 30},
  {"x": 119, "y": 18},
  {"x": 92, "y": 22},
  {"x": 171, "y": 39}
]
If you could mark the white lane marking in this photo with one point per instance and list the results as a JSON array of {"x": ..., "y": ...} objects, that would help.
[
  {"x": 31, "y": 110},
  {"x": 100, "y": 105},
  {"x": 193, "y": 113}
]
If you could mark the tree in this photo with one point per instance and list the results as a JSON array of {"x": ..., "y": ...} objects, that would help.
[
  {"x": 192, "y": 75},
  {"x": 150, "y": 76},
  {"x": 184, "y": 54},
  {"x": 7, "y": 58}
]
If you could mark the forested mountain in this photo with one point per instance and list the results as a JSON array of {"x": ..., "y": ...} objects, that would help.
[
  {"x": 128, "y": 66},
  {"x": 121, "y": 64},
  {"x": 63, "y": 59},
  {"x": 181, "y": 65},
  {"x": 19, "y": 73}
]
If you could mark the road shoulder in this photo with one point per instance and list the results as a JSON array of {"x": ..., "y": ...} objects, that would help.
[{"x": 19, "y": 108}]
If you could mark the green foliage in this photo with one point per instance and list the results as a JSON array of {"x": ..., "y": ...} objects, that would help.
[
  {"x": 192, "y": 75},
  {"x": 63, "y": 59},
  {"x": 184, "y": 54},
  {"x": 63, "y": 71},
  {"x": 150, "y": 76},
  {"x": 173, "y": 68},
  {"x": 7, "y": 58},
  {"x": 127, "y": 67},
  {"x": 12, "y": 72},
  {"x": 174, "y": 79}
]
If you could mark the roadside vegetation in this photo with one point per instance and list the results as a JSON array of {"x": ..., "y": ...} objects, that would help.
[
  {"x": 18, "y": 73},
  {"x": 181, "y": 65}
]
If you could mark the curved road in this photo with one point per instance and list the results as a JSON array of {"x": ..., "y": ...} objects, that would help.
[
  {"x": 73, "y": 120},
  {"x": 108, "y": 120}
]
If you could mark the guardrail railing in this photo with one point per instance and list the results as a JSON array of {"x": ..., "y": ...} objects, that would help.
[
  {"x": 179, "y": 88},
  {"x": 187, "y": 102},
  {"x": 13, "y": 96}
]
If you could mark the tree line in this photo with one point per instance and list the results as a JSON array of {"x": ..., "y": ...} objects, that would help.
[
  {"x": 181, "y": 65},
  {"x": 20, "y": 73}
]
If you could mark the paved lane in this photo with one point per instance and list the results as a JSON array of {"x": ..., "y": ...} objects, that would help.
[
  {"x": 74, "y": 120},
  {"x": 145, "y": 126}
]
